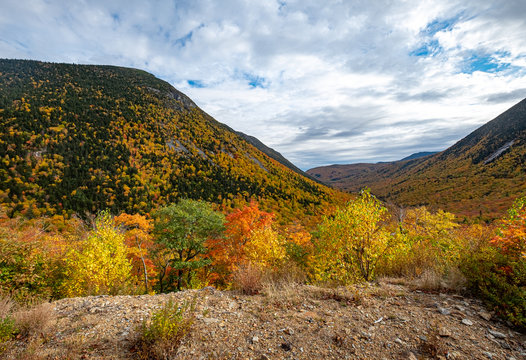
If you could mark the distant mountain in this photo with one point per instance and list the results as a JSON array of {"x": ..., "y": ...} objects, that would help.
[
  {"x": 82, "y": 138},
  {"x": 478, "y": 176},
  {"x": 419, "y": 155}
]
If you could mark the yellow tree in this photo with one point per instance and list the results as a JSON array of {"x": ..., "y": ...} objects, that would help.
[
  {"x": 352, "y": 241},
  {"x": 101, "y": 265}
]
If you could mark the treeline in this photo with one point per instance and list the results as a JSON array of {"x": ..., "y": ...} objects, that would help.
[{"x": 189, "y": 244}]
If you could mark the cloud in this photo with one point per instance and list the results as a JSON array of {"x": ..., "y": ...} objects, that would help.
[{"x": 331, "y": 82}]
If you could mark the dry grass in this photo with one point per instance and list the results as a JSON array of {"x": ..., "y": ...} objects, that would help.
[
  {"x": 248, "y": 279},
  {"x": 34, "y": 321},
  {"x": 430, "y": 280},
  {"x": 433, "y": 280},
  {"x": 6, "y": 306}
]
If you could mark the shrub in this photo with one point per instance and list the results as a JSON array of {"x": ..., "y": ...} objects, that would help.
[
  {"x": 497, "y": 271},
  {"x": 500, "y": 282},
  {"x": 33, "y": 321},
  {"x": 161, "y": 335},
  {"x": 7, "y": 324},
  {"x": 248, "y": 279}
]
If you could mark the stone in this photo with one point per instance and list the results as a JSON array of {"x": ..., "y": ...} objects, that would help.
[
  {"x": 411, "y": 356},
  {"x": 398, "y": 341},
  {"x": 467, "y": 322},
  {"x": 485, "y": 315},
  {"x": 444, "y": 332},
  {"x": 444, "y": 311},
  {"x": 209, "y": 321},
  {"x": 497, "y": 334},
  {"x": 255, "y": 339}
]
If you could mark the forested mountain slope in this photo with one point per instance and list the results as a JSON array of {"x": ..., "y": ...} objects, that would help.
[
  {"x": 480, "y": 175},
  {"x": 81, "y": 138}
]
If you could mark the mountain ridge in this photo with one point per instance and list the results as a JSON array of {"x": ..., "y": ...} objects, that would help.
[{"x": 459, "y": 179}]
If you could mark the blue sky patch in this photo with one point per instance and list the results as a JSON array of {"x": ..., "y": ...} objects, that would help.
[
  {"x": 184, "y": 39},
  {"x": 437, "y": 25},
  {"x": 196, "y": 84},
  {"x": 429, "y": 48},
  {"x": 483, "y": 62},
  {"x": 255, "y": 81}
]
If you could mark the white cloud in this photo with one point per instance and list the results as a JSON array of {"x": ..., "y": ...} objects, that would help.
[{"x": 321, "y": 82}]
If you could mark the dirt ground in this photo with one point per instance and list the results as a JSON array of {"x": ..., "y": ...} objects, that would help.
[{"x": 382, "y": 321}]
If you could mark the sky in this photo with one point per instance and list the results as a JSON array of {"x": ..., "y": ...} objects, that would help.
[{"x": 322, "y": 82}]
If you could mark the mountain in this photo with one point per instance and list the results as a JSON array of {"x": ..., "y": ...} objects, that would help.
[
  {"x": 273, "y": 154},
  {"x": 82, "y": 138},
  {"x": 478, "y": 176},
  {"x": 418, "y": 155}
]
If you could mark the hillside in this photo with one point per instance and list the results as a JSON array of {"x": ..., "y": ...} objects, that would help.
[
  {"x": 273, "y": 154},
  {"x": 81, "y": 138},
  {"x": 385, "y": 321},
  {"x": 478, "y": 176}
]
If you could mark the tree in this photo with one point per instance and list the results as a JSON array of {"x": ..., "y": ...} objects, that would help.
[
  {"x": 101, "y": 265},
  {"x": 352, "y": 241},
  {"x": 229, "y": 251},
  {"x": 182, "y": 230},
  {"x": 511, "y": 236},
  {"x": 138, "y": 240}
]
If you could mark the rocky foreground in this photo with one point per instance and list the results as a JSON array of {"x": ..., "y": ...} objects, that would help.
[{"x": 383, "y": 321}]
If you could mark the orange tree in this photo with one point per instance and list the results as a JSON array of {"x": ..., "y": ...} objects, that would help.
[
  {"x": 229, "y": 251},
  {"x": 139, "y": 241}
]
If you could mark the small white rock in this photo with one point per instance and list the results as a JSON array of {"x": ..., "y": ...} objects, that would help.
[{"x": 467, "y": 322}]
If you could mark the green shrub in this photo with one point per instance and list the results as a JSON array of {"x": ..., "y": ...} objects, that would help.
[
  {"x": 500, "y": 281},
  {"x": 7, "y": 329},
  {"x": 161, "y": 335}
]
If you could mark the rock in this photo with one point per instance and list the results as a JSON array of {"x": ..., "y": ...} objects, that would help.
[
  {"x": 460, "y": 308},
  {"x": 453, "y": 355},
  {"x": 497, "y": 334},
  {"x": 398, "y": 341},
  {"x": 255, "y": 339},
  {"x": 488, "y": 354},
  {"x": 411, "y": 356},
  {"x": 209, "y": 321},
  {"x": 444, "y": 311},
  {"x": 288, "y": 331},
  {"x": 444, "y": 332},
  {"x": 485, "y": 315},
  {"x": 467, "y": 322}
]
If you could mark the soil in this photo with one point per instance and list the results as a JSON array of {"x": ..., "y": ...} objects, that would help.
[{"x": 387, "y": 320}]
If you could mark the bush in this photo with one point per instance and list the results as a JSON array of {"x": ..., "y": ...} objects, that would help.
[
  {"x": 248, "y": 279},
  {"x": 33, "y": 321},
  {"x": 161, "y": 335},
  {"x": 7, "y": 324},
  {"x": 500, "y": 282}
]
